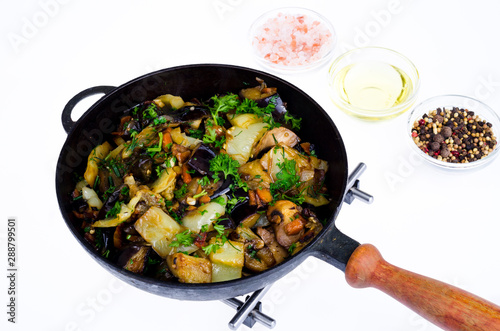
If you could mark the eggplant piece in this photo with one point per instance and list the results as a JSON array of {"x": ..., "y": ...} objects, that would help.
[
  {"x": 279, "y": 105},
  {"x": 189, "y": 114},
  {"x": 159, "y": 271},
  {"x": 242, "y": 211},
  {"x": 142, "y": 169},
  {"x": 128, "y": 125},
  {"x": 228, "y": 222},
  {"x": 102, "y": 240},
  {"x": 144, "y": 114},
  {"x": 200, "y": 159},
  {"x": 78, "y": 204},
  {"x": 223, "y": 189},
  {"x": 107, "y": 180},
  {"x": 134, "y": 258},
  {"x": 112, "y": 199}
]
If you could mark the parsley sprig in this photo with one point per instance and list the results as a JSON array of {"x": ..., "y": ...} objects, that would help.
[
  {"x": 211, "y": 138},
  {"x": 223, "y": 104},
  {"x": 287, "y": 179},
  {"x": 185, "y": 238},
  {"x": 220, "y": 239},
  {"x": 228, "y": 166}
]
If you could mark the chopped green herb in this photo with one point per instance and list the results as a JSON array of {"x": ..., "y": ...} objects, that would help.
[
  {"x": 160, "y": 120},
  {"x": 231, "y": 203},
  {"x": 184, "y": 238},
  {"x": 220, "y": 200},
  {"x": 204, "y": 227},
  {"x": 114, "y": 211},
  {"x": 294, "y": 121},
  {"x": 199, "y": 195},
  {"x": 211, "y": 138},
  {"x": 150, "y": 112},
  {"x": 157, "y": 148},
  {"x": 204, "y": 181},
  {"x": 287, "y": 179},
  {"x": 212, "y": 248},
  {"x": 223, "y": 104},
  {"x": 220, "y": 229},
  {"x": 229, "y": 167},
  {"x": 159, "y": 170},
  {"x": 181, "y": 192},
  {"x": 97, "y": 181},
  {"x": 135, "y": 110},
  {"x": 198, "y": 134}
]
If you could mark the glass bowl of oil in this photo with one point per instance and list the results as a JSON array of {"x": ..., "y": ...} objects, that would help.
[{"x": 373, "y": 83}]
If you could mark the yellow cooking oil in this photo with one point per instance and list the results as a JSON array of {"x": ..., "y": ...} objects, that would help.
[{"x": 373, "y": 86}]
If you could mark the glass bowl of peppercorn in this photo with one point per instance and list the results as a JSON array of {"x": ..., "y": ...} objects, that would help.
[{"x": 454, "y": 132}]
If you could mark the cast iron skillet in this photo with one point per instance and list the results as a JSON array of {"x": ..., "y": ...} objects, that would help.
[{"x": 442, "y": 304}]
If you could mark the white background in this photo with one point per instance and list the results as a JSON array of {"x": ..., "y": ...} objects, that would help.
[{"x": 440, "y": 224}]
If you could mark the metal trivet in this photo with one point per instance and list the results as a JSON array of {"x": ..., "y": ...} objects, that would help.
[{"x": 250, "y": 312}]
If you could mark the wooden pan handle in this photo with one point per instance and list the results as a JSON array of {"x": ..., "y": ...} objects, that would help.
[{"x": 444, "y": 305}]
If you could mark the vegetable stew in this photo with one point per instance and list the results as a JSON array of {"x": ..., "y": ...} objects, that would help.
[{"x": 202, "y": 191}]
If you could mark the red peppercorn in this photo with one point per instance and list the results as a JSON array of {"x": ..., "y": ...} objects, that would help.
[
  {"x": 421, "y": 122},
  {"x": 437, "y": 152},
  {"x": 414, "y": 134}
]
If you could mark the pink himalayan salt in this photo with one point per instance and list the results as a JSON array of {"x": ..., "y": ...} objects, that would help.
[{"x": 292, "y": 40}]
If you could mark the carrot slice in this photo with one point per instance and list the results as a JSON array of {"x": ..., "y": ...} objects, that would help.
[
  {"x": 167, "y": 140},
  {"x": 186, "y": 177},
  {"x": 264, "y": 195}
]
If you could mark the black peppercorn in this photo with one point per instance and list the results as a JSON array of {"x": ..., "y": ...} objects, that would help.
[
  {"x": 438, "y": 138},
  {"x": 446, "y": 131}
]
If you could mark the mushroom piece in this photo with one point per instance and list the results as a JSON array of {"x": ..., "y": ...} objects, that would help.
[
  {"x": 253, "y": 245},
  {"x": 278, "y": 252},
  {"x": 259, "y": 92},
  {"x": 282, "y": 211},
  {"x": 275, "y": 136},
  {"x": 289, "y": 225}
]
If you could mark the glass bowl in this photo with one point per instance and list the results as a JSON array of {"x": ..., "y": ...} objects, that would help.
[
  {"x": 373, "y": 83},
  {"x": 292, "y": 39},
  {"x": 482, "y": 113}
]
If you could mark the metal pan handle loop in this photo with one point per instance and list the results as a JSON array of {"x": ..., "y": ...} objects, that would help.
[{"x": 67, "y": 122}]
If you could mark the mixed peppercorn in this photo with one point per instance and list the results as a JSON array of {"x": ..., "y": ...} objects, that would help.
[{"x": 454, "y": 135}]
